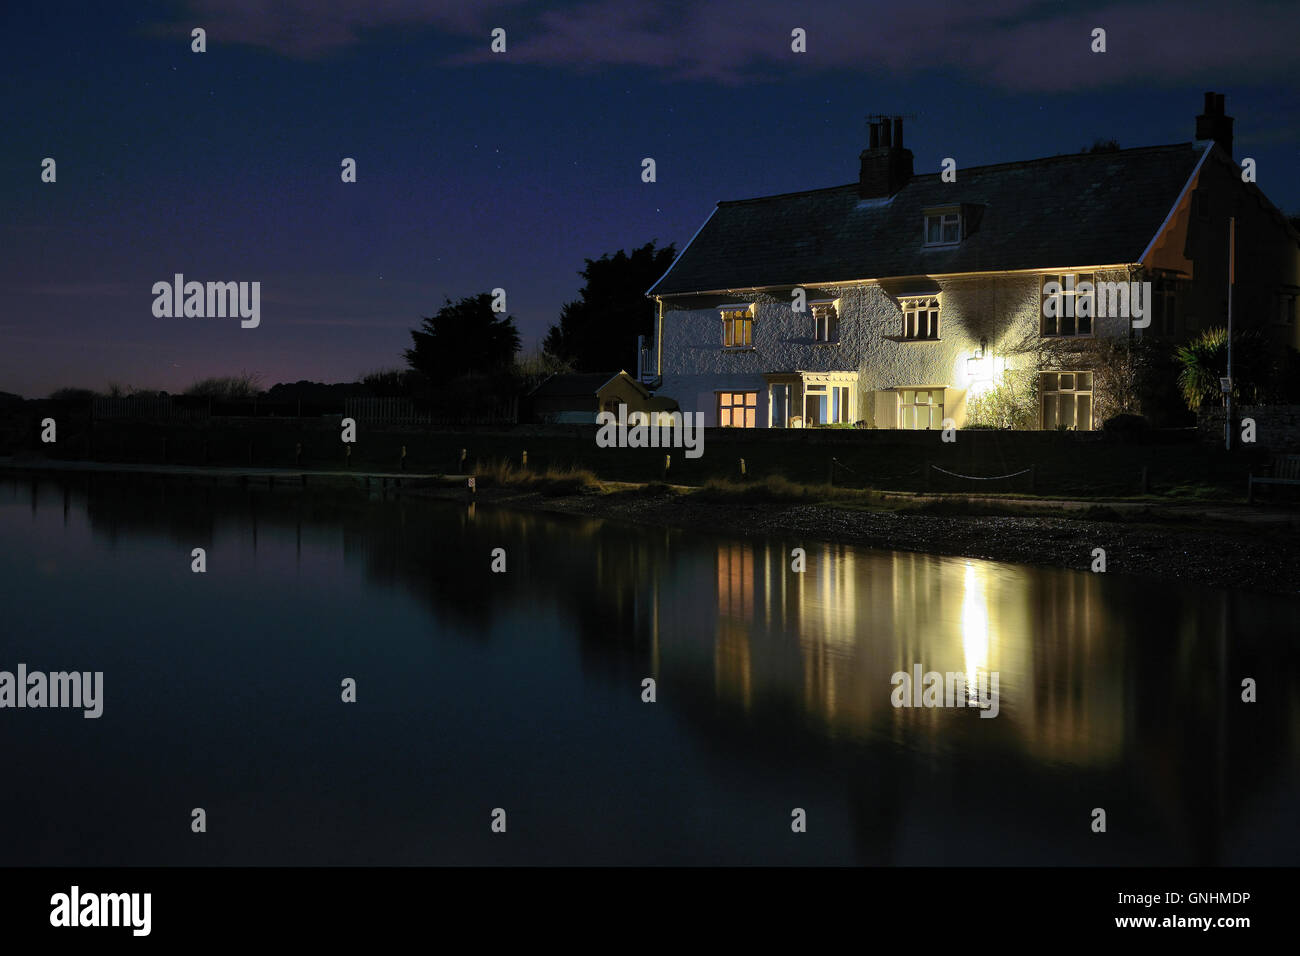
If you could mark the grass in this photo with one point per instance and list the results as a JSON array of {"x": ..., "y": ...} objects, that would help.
[
  {"x": 771, "y": 488},
  {"x": 552, "y": 481}
]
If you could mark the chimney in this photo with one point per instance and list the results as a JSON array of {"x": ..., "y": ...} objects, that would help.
[
  {"x": 886, "y": 165},
  {"x": 1212, "y": 124}
]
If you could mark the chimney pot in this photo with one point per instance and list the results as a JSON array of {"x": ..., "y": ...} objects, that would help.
[{"x": 898, "y": 131}]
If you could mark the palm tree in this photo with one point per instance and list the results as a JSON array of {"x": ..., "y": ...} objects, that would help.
[{"x": 1204, "y": 361}]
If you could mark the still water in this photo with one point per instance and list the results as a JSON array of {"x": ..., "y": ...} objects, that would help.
[{"x": 523, "y": 691}]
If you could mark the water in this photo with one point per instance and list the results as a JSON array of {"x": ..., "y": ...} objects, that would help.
[{"x": 522, "y": 691}]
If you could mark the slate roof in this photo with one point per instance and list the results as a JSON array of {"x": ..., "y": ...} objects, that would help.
[{"x": 1080, "y": 209}]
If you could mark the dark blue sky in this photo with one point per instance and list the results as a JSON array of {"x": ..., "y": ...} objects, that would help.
[{"x": 478, "y": 170}]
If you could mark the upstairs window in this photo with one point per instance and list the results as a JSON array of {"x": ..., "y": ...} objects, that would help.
[
  {"x": 921, "y": 319},
  {"x": 738, "y": 327},
  {"x": 1071, "y": 311},
  {"x": 1164, "y": 307},
  {"x": 826, "y": 322},
  {"x": 943, "y": 227}
]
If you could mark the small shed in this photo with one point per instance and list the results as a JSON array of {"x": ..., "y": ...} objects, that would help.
[{"x": 577, "y": 397}]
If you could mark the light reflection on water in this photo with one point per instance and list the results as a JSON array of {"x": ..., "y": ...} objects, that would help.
[{"x": 523, "y": 690}]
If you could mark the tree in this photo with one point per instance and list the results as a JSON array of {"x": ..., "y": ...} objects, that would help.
[
  {"x": 1204, "y": 360},
  {"x": 464, "y": 337},
  {"x": 228, "y": 388},
  {"x": 597, "y": 332}
]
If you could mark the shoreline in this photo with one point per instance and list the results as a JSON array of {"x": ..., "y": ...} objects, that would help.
[
  {"x": 1257, "y": 558},
  {"x": 1218, "y": 545}
]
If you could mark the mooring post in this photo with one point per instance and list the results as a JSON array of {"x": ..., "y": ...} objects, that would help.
[
  {"x": 742, "y": 469},
  {"x": 403, "y": 458},
  {"x": 460, "y": 466},
  {"x": 469, "y": 489},
  {"x": 668, "y": 463},
  {"x": 523, "y": 461}
]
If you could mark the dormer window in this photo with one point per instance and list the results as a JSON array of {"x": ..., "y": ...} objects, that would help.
[{"x": 943, "y": 226}]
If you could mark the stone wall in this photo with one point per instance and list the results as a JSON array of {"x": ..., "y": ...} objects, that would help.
[{"x": 1277, "y": 427}]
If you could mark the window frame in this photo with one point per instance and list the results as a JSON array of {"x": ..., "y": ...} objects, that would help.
[
  {"x": 1044, "y": 392},
  {"x": 827, "y": 333},
  {"x": 943, "y": 215},
  {"x": 931, "y": 390},
  {"x": 911, "y": 304},
  {"x": 749, "y": 412},
  {"x": 730, "y": 315},
  {"x": 1072, "y": 296}
]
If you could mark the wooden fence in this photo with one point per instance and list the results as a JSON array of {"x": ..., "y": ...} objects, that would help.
[{"x": 401, "y": 411}]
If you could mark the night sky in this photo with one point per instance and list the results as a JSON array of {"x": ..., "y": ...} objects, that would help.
[{"x": 478, "y": 170}]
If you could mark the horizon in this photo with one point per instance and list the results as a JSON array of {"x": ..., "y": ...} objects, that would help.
[{"x": 478, "y": 170}]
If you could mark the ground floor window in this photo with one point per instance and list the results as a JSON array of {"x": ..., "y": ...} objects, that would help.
[
  {"x": 920, "y": 408},
  {"x": 738, "y": 409},
  {"x": 1067, "y": 400}
]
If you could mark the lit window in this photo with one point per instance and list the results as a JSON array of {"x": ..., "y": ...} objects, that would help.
[
  {"x": 737, "y": 328},
  {"x": 1067, "y": 401},
  {"x": 921, "y": 318},
  {"x": 920, "y": 408},
  {"x": 1073, "y": 309},
  {"x": 738, "y": 409}
]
